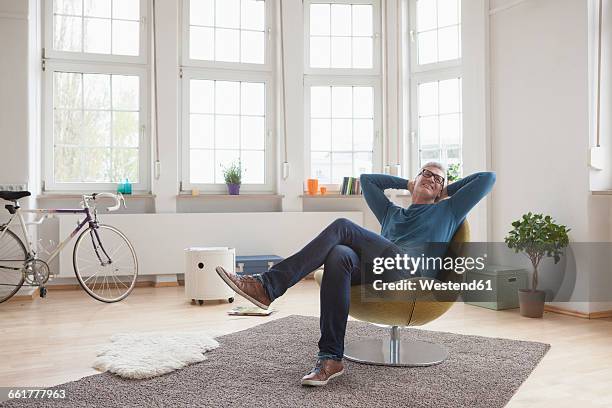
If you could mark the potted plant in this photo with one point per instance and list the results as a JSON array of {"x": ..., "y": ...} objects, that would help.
[
  {"x": 454, "y": 172},
  {"x": 233, "y": 177},
  {"x": 537, "y": 236}
]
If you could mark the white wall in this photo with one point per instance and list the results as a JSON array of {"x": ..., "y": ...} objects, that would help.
[{"x": 539, "y": 66}]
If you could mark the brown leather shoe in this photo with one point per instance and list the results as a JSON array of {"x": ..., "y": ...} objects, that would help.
[
  {"x": 248, "y": 287},
  {"x": 324, "y": 371}
]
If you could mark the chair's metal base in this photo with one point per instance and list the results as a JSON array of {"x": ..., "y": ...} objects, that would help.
[{"x": 395, "y": 352}]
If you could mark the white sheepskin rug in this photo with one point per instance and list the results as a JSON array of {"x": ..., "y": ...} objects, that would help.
[{"x": 146, "y": 355}]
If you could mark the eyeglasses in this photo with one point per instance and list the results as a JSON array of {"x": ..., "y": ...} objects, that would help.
[{"x": 429, "y": 174}]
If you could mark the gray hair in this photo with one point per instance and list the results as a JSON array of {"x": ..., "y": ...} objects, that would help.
[{"x": 434, "y": 164}]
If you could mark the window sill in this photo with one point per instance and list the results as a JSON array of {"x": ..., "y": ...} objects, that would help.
[
  {"x": 331, "y": 195},
  {"x": 66, "y": 196},
  {"x": 247, "y": 196},
  {"x": 601, "y": 192}
]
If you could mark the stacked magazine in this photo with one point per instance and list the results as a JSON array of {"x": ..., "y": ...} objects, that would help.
[{"x": 351, "y": 186}]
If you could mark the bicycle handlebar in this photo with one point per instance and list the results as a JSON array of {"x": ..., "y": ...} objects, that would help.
[{"x": 117, "y": 197}]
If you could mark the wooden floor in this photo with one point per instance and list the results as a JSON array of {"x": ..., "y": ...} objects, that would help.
[{"x": 53, "y": 340}]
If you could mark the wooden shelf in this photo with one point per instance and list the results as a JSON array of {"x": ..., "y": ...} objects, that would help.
[
  {"x": 331, "y": 195},
  {"x": 232, "y": 197}
]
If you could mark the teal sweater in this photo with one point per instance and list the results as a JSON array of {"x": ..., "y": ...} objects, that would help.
[{"x": 423, "y": 223}]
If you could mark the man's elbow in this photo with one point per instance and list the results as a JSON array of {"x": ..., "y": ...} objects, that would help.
[{"x": 490, "y": 178}]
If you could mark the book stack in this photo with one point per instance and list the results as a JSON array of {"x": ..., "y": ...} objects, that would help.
[{"x": 350, "y": 186}]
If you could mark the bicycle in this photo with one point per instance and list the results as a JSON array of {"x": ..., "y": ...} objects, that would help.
[{"x": 114, "y": 263}]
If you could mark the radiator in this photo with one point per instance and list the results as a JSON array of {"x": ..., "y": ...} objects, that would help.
[{"x": 160, "y": 239}]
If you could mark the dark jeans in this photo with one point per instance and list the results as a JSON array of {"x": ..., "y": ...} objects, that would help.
[{"x": 347, "y": 250}]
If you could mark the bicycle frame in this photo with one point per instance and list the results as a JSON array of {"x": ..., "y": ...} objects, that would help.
[{"x": 45, "y": 213}]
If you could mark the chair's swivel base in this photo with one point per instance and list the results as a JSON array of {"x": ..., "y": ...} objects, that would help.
[{"x": 401, "y": 353}]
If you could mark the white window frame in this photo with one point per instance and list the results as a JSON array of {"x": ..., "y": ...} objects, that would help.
[
  {"x": 268, "y": 46},
  {"x": 142, "y": 57},
  {"x": 269, "y": 156},
  {"x": 48, "y": 142},
  {"x": 229, "y": 71},
  {"x": 423, "y": 73},
  {"x": 374, "y": 82},
  {"x": 86, "y": 63},
  {"x": 376, "y": 46}
]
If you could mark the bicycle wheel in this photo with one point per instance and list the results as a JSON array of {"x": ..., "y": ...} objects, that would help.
[
  {"x": 105, "y": 263},
  {"x": 13, "y": 256}
]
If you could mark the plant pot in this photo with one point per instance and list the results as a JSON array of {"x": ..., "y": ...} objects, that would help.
[
  {"x": 531, "y": 302},
  {"x": 233, "y": 189}
]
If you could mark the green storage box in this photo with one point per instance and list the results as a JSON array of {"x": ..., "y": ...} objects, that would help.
[{"x": 505, "y": 283}]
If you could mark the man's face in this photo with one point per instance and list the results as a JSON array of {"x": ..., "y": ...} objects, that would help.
[{"x": 427, "y": 186}]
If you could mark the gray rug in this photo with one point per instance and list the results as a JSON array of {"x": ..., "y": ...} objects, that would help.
[{"x": 262, "y": 366}]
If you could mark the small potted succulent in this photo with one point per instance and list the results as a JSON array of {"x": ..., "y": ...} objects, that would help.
[
  {"x": 233, "y": 177},
  {"x": 537, "y": 236}
]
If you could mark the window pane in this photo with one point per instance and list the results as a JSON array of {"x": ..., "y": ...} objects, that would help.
[
  {"x": 428, "y": 131},
  {"x": 67, "y": 33},
  {"x": 363, "y": 102},
  {"x": 448, "y": 12},
  {"x": 126, "y": 9},
  {"x": 320, "y": 54},
  {"x": 227, "y": 132},
  {"x": 72, "y": 7},
  {"x": 341, "y": 52},
  {"x": 223, "y": 159},
  {"x": 362, "y": 20},
  {"x": 319, "y": 19},
  {"x": 97, "y": 91},
  {"x": 428, "y": 98},
  {"x": 450, "y": 129},
  {"x": 253, "y": 165},
  {"x": 342, "y": 134},
  {"x": 252, "y": 98},
  {"x": 321, "y": 166},
  {"x": 201, "y": 131},
  {"x": 201, "y": 96},
  {"x": 320, "y": 134},
  {"x": 227, "y": 45},
  {"x": 96, "y": 165},
  {"x": 96, "y": 128},
  {"x": 426, "y": 15},
  {"x": 428, "y": 47},
  {"x": 125, "y": 165},
  {"x": 67, "y": 88},
  {"x": 450, "y": 98},
  {"x": 252, "y": 131},
  {"x": 227, "y": 13},
  {"x": 97, "y": 35},
  {"x": 362, "y": 52},
  {"x": 341, "y": 19},
  {"x": 252, "y": 15},
  {"x": 362, "y": 163},
  {"x": 67, "y": 164},
  {"x": 342, "y": 101},
  {"x": 429, "y": 155},
  {"x": 125, "y": 92},
  {"x": 320, "y": 102},
  {"x": 126, "y": 127},
  {"x": 342, "y": 166},
  {"x": 202, "y": 12},
  {"x": 201, "y": 43},
  {"x": 126, "y": 39},
  {"x": 252, "y": 47},
  {"x": 363, "y": 134},
  {"x": 67, "y": 126},
  {"x": 201, "y": 166},
  {"x": 227, "y": 97},
  {"x": 97, "y": 8},
  {"x": 448, "y": 43}
]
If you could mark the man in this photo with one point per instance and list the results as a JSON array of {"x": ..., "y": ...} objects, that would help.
[{"x": 347, "y": 250}]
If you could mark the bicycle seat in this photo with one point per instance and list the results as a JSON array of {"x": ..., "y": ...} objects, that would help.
[{"x": 13, "y": 195}]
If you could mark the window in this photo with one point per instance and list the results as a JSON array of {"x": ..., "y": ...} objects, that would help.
[
  {"x": 95, "y": 95},
  {"x": 232, "y": 31},
  {"x": 342, "y": 89},
  {"x": 436, "y": 86},
  {"x": 227, "y": 113}
]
